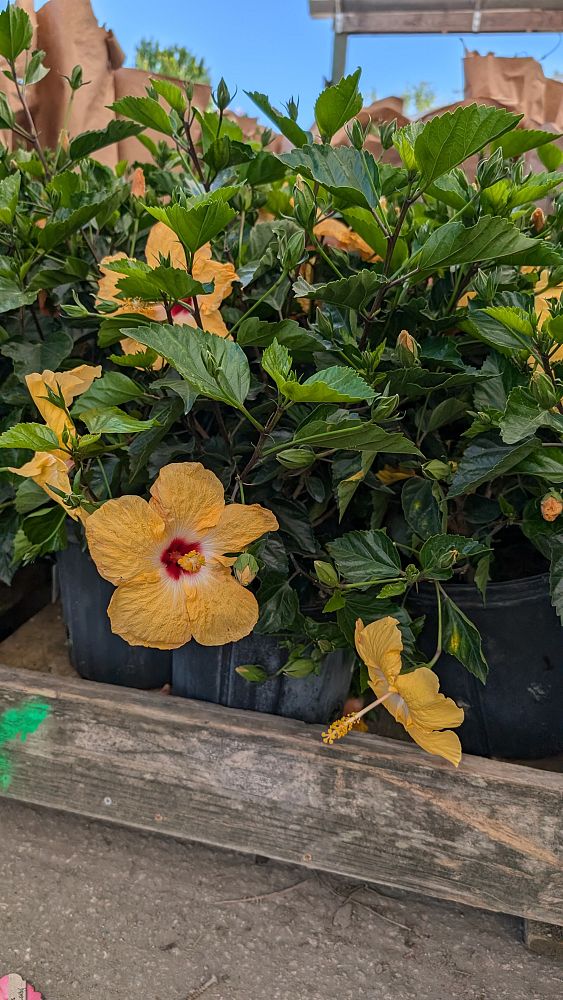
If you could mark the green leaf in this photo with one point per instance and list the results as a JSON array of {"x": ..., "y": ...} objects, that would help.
[
  {"x": 365, "y": 555},
  {"x": 523, "y": 139},
  {"x": 346, "y": 488},
  {"x": 363, "y": 223},
  {"x": 141, "y": 359},
  {"x": 491, "y": 238},
  {"x": 172, "y": 94},
  {"x": 112, "y": 420},
  {"x": 276, "y": 360},
  {"x": 484, "y": 461},
  {"x": 556, "y": 576},
  {"x": 29, "y": 496},
  {"x": 413, "y": 382},
  {"x": 462, "y": 640},
  {"x": 441, "y": 552},
  {"x": 524, "y": 415},
  {"x": 543, "y": 463},
  {"x": 550, "y": 155},
  {"x": 211, "y": 366},
  {"x": 331, "y": 385},
  {"x": 337, "y": 105},
  {"x": 110, "y": 390},
  {"x": 254, "y": 332},
  {"x": 506, "y": 328},
  {"x": 286, "y": 125},
  {"x": 87, "y": 143},
  {"x": 355, "y": 434},
  {"x": 35, "y": 437},
  {"x": 9, "y": 194},
  {"x": 59, "y": 229},
  {"x": 404, "y": 142},
  {"x": 50, "y": 353},
  {"x": 16, "y": 32},
  {"x": 45, "y": 529},
  {"x": 421, "y": 511},
  {"x": 351, "y": 175},
  {"x": 12, "y": 296},
  {"x": 35, "y": 69},
  {"x": 278, "y": 604},
  {"x": 146, "y": 111},
  {"x": 352, "y": 293},
  {"x": 200, "y": 221},
  {"x": 141, "y": 281},
  {"x": 534, "y": 188},
  {"x": 449, "y": 139}
]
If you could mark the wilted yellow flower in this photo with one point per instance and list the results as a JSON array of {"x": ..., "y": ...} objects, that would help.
[
  {"x": 551, "y": 507},
  {"x": 51, "y": 468},
  {"x": 167, "y": 560},
  {"x": 138, "y": 183},
  {"x": 538, "y": 219},
  {"x": 336, "y": 234},
  {"x": 387, "y": 475},
  {"x": 412, "y": 699}
]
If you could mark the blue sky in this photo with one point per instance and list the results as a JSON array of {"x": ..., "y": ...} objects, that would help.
[{"x": 275, "y": 47}]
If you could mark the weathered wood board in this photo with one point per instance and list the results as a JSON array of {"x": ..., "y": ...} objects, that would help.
[{"x": 379, "y": 810}]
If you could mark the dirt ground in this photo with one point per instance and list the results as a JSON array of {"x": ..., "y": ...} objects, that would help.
[{"x": 89, "y": 911}]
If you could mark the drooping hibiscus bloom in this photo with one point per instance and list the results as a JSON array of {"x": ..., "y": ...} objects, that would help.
[
  {"x": 51, "y": 468},
  {"x": 162, "y": 243},
  {"x": 412, "y": 699},
  {"x": 337, "y": 234},
  {"x": 167, "y": 559}
]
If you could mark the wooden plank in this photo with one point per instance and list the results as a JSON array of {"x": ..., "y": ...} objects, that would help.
[
  {"x": 393, "y": 22},
  {"x": 544, "y": 939},
  {"x": 379, "y": 810}
]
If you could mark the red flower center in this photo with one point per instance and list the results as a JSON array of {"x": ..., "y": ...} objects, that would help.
[
  {"x": 176, "y": 551},
  {"x": 181, "y": 307}
]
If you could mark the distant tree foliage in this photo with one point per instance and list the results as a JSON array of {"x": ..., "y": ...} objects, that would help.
[
  {"x": 420, "y": 97},
  {"x": 175, "y": 61}
]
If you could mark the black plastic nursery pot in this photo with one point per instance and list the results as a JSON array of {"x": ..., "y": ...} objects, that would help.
[
  {"x": 518, "y": 713},
  {"x": 208, "y": 673},
  {"x": 95, "y": 652}
]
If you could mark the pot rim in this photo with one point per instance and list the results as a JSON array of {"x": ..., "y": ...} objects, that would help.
[{"x": 527, "y": 588}]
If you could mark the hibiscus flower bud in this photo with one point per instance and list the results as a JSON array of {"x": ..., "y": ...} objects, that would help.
[
  {"x": 551, "y": 506},
  {"x": 538, "y": 219},
  {"x": 407, "y": 349},
  {"x": 64, "y": 140},
  {"x": 138, "y": 185},
  {"x": 245, "y": 568},
  {"x": 326, "y": 573}
]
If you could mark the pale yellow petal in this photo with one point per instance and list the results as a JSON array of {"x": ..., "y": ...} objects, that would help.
[
  {"x": 189, "y": 498},
  {"x": 126, "y": 538},
  {"x": 47, "y": 469},
  {"x": 427, "y": 707},
  {"x": 380, "y": 645},
  {"x": 151, "y": 611},
  {"x": 239, "y": 525},
  {"x": 205, "y": 269},
  {"x": 130, "y": 346},
  {"x": 445, "y": 744},
  {"x": 70, "y": 384},
  {"x": 162, "y": 242},
  {"x": 336, "y": 234},
  {"x": 107, "y": 285},
  {"x": 213, "y": 322},
  {"x": 220, "y": 609}
]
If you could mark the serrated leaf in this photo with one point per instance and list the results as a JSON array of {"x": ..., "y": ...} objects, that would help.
[
  {"x": 346, "y": 488},
  {"x": 352, "y": 293},
  {"x": 9, "y": 194},
  {"x": 112, "y": 420},
  {"x": 336, "y": 105},
  {"x": 363, "y": 223},
  {"x": 520, "y": 140},
  {"x": 254, "y": 332},
  {"x": 331, "y": 385},
  {"x": 146, "y": 111},
  {"x": 12, "y": 296},
  {"x": 286, "y": 125},
  {"x": 211, "y": 366},
  {"x": 200, "y": 221},
  {"x": 351, "y": 175},
  {"x": 172, "y": 94},
  {"x": 35, "y": 437},
  {"x": 276, "y": 360},
  {"x": 45, "y": 529},
  {"x": 462, "y": 640},
  {"x": 140, "y": 281},
  {"x": 543, "y": 463},
  {"x": 29, "y": 496},
  {"x": 365, "y": 555},
  {"x": 442, "y": 552},
  {"x": 523, "y": 416},
  {"x": 16, "y": 32},
  {"x": 278, "y": 603},
  {"x": 112, "y": 389},
  {"x": 87, "y": 143},
  {"x": 421, "y": 511},
  {"x": 484, "y": 461},
  {"x": 491, "y": 238},
  {"x": 534, "y": 188},
  {"x": 550, "y": 155},
  {"x": 404, "y": 142},
  {"x": 449, "y": 139},
  {"x": 69, "y": 222},
  {"x": 50, "y": 353},
  {"x": 506, "y": 328},
  {"x": 353, "y": 434}
]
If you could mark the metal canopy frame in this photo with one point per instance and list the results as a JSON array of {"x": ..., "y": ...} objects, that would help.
[{"x": 413, "y": 17}]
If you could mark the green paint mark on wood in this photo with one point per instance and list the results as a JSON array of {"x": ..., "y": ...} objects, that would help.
[{"x": 18, "y": 723}]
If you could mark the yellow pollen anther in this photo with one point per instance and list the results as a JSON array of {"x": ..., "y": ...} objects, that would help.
[
  {"x": 339, "y": 728},
  {"x": 192, "y": 561}
]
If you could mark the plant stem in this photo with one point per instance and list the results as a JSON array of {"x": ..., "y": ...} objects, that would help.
[
  {"x": 438, "y": 652},
  {"x": 104, "y": 477},
  {"x": 325, "y": 256},
  {"x": 258, "y": 302},
  {"x": 193, "y": 152},
  {"x": 29, "y": 118}
]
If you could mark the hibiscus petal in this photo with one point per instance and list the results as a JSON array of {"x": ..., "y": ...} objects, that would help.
[
  {"x": 445, "y": 744},
  {"x": 107, "y": 285},
  {"x": 239, "y": 525},
  {"x": 213, "y": 322},
  {"x": 163, "y": 242},
  {"x": 70, "y": 384},
  {"x": 428, "y": 708},
  {"x": 48, "y": 469},
  {"x": 380, "y": 645},
  {"x": 220, "y": 609},
  {"x": 151, "y": 611},
  {"x": 189, "y": 498},
  {"x": 126, "y": 538},
  {"x": 205, "y": 269}
]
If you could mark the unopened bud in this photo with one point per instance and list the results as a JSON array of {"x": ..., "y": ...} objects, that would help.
[
  {"x": 138, "y": 185},
  {"x": 223, "y": 96},
  {"x": 491, "y": 170},
  {"x": 245, "y": 568},
  {"x": 304, "y": 207},
  {"x": 296, "y": 458},
  {"x": 326, "y": 573},
  {"x": 407, "y": 349},
  {"x": 64, "y": 140},
  {"x": 538, "y": 219},
  {"x": 386, "y": 133},
  {"x": 551, "y": 506}
]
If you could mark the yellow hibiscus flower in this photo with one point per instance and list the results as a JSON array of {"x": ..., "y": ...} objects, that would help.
[
  {"x": 167, "y": 559},
  {"x": 51, "y": 468},
  {"x": 337, "y": 234},
  {"x": 412, "y": 699}
]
